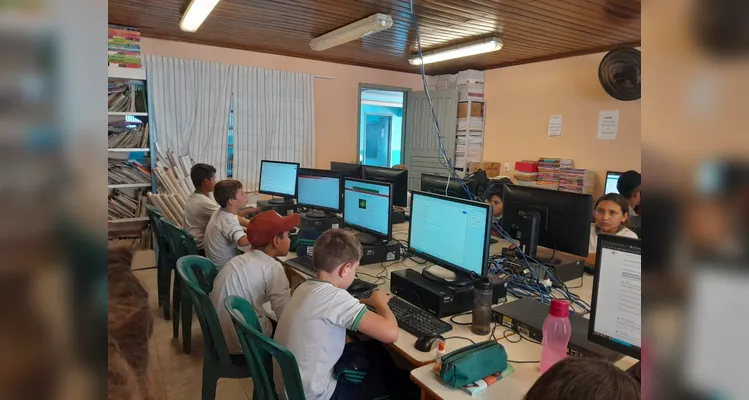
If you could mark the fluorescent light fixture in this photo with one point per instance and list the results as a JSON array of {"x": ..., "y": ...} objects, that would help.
[
  {"x": 463, "y": 50},
  {"x": 353, "y": 31},
  {"x": 196, "y": 13}
]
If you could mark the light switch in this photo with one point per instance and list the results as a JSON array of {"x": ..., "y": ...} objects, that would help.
[{"x": 507, "y": 167}]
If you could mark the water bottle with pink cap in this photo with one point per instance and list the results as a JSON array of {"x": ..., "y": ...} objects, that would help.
[{"x": 557, "y": 332}]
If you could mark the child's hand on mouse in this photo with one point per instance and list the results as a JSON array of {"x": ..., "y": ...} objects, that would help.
[{"x": 379, "y": 298}]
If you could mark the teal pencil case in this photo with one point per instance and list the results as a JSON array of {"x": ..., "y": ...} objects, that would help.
[{"x": 471, "y": 363}]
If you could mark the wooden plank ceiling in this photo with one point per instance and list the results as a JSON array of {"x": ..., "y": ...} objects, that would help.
[{"x": 532, "y": 30}]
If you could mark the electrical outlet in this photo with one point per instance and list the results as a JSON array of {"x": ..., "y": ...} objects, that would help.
[{"x": 507, "y": 167}]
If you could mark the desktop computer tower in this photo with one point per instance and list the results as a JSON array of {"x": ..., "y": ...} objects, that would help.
[
  {"x": 380, "y": 253},
  {"x": 321, "y": 224},
  {"x": 282, "y": 209}
]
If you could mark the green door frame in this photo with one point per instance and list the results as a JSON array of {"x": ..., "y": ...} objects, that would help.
[{"x": 406, "y": 94}]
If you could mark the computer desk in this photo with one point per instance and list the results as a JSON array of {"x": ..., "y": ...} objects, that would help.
[{"x": 405, "y": 343}]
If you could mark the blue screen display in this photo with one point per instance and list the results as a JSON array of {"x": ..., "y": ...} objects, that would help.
[
  {"x": 611, "y": 180},
  {"x": 367, "y": 205},
  {"x": 278, "y": 178},
  {"x": 451, "y": 231},
  {"x": 319, "y": 191}
]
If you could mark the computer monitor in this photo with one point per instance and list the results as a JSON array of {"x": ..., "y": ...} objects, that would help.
[
  {"x": 368, "y": 207},
  {"x": 398, "y": 177},
  {"x": 450, "y": 232},
  {"x": 319, "y": 189},
  {"x": 347, "y": 170},
  {"x": 278, "y": 178},
  {"x": 615, "y": 313},
  {"x": 442, "y": 185},
  {"x": 612, "y": 178},
  {"x": 550, "y": 218}
]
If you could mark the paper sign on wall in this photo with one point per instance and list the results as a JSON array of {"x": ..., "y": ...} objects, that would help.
[
  {"x": 555, "y": 125},
  {"x": 608, "y": 124}
]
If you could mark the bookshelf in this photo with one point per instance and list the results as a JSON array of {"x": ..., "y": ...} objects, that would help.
[{"x": 129, "y": 150}]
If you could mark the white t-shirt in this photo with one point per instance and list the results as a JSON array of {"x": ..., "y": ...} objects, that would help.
[
  {"x": 313, "y": 327},
  {"x": 593, "y": 242},
  {"x": 198, "y": 212},
  {"x": 221, "y": 236},
  {"x": 256, "y": 277}
]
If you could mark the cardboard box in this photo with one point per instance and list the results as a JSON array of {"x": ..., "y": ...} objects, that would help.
[
  {"x": 477, "y": 110},
  {"x": 491, "y": 168}
]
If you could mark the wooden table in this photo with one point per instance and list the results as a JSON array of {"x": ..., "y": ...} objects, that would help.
[
  {"x": 513, "y": 387},
  {"x": 405, "y": 343}
]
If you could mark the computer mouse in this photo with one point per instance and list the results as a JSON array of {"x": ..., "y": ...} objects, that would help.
[{"x": 425, "y": 342}]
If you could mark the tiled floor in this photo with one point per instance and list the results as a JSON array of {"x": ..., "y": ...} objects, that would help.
[{"x": 179, "y": 375}]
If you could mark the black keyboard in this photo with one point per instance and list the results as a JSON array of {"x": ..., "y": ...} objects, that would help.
[
  {"x": 411, "y": 318},
  {"x": 303, "y": 264}
]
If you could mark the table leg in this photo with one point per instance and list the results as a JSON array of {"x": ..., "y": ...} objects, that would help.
[{"x": 425, "y": 395}]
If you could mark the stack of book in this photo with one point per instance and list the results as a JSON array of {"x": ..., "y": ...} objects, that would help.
[
  {"x": 548, "y": 172},
  {"x": 127, "y": 96},
  {"x": 577, "y": 180},
  {"x": 137, "y": 240},
  {"x": 122, "y": 205},
  {"x": 122, "y": 172},
  {"x": 124, "y": 46},
  {"x": 127, "y": 136}
]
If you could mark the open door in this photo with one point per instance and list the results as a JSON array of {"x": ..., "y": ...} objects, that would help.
[{"x": 422, "y": 145}]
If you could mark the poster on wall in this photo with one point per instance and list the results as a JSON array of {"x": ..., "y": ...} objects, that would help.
[
  {"x": 608, "y": 124},
  {"x": 555, "y": 125}
]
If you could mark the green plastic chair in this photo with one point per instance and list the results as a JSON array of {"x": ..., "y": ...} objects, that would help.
[
  {"x": 259, "y": 349},
  {"x": 217, "y": 362},
  {"x": 164, "y": 261},
  {"x": 183, "y": 244}
]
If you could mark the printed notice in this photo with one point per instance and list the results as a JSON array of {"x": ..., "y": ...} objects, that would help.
[
  {"x": 608, "y": 124},
  {"x": 555, "y": 125}
]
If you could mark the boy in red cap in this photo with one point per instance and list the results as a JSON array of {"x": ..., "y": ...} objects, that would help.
[{"x": 256, "y": 275}]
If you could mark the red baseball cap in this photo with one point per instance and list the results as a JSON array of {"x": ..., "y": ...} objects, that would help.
[{"x": 266, "y": 225}]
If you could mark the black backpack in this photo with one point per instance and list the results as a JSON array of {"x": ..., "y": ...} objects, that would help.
[{"x": 479, "y": 183}]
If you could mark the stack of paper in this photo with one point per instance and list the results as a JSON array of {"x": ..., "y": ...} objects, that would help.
[
  {"x": 127, "y": 136},
  {"x": 126, "y": 96},
  {"x": 124, "y": 46},
  {"x": 548, "y": 172},
  {"x": 137, "y": 240},
  {"x": 122, "y": 172},
  {"x": 525, "y": 176},
  {"x": 122, "y": 205},
  {"x": 476, "y": 124},
  {"x": 577, "y": 180}
]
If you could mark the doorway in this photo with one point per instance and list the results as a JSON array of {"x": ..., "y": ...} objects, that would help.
[{"x": 381, "y": 125}]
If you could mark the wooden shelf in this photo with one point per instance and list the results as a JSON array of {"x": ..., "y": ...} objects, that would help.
[
  {"x": 129, "y": 150},
  {"x": 128, "y": 220},
  {"x": 127, "y": 73},
  {"x": 125, "y": 114},
  {"x": 129, "y": 185}
]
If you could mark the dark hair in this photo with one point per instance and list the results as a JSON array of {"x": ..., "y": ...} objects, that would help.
[
  {"x": 496, "y": 187},
  {"x": 629, "y": 183},
  {"x": 616, "y": 198},
  {"x": 201, "y": 172},
  {"x": 130, "y": 325},
  {"x": 226, "y": 190},
  {"x": 335, "y": 247},
  {"x": 577, "y": 378}
]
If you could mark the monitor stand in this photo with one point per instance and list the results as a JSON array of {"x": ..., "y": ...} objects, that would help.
[
  {"x": 281, "y": 201},
  {"x": 318, "y": 214},
  {"x": 444, "y": 275},
  {"x": 367, "y": 239}
]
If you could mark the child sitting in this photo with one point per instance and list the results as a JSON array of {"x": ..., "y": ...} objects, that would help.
[
  {"x": 256, "y": 275},
  {"x": 584, "y": 379},
  {"x": 223, "y": 234},
  {"x": 611, "y": 213},
  {"x": 314, "y": 323}
]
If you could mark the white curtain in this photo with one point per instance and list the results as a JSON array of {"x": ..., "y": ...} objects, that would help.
[
  {"x": 191, "y": 101},
  {"x": 273, "y": 120}
]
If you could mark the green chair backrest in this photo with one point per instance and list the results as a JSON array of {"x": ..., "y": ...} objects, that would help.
[
  {"x": 190, "y": 267},
  {"x": 183, "y": 244},
  {"x": 155, "y": 217},
  {"x": 252, "y": 338}
]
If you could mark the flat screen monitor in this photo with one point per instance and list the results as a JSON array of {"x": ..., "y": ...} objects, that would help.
[
  {"x": 612, "y": 178},
  {"x": 319, "y": 189},
  {"x": 442, "y": 185},
  {"x": 549, "y": 218},
  {"x": 450, "y": 232},
  {"x": 347, "y": 170},
  {"x": 278, "y": 178},
  {"x": 367, "y": 207},
  {"x": 615, "y": 313},
  {"x": 398, "y": 177}
]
